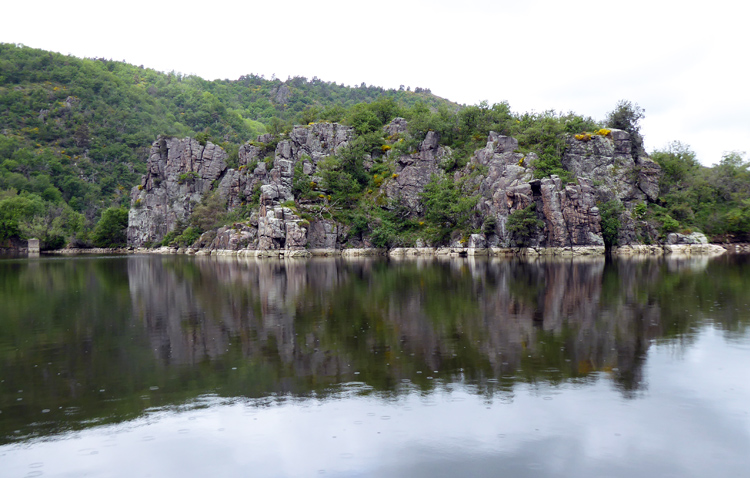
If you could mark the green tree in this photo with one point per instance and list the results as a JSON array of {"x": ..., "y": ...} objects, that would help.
[
  {"x": 111, "y": 230},
  {"x": 627, "y": 116},
  {"x": 363, "y": 119},
  {"x": 610, "y": 212},
  {"x": 738, "y": 219},
  {"x": 522, "y": 225},
  {"x": 15, "y": 211},
  {"x": 209, "y": 213},
  {"x": 446, "y": 207}
]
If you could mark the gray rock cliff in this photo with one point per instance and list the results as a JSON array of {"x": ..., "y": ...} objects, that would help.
[{"x": 182, "y": 171}]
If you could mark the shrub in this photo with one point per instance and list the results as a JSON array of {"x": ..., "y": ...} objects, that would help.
[
  {"x": 187, "y": 238},
  {"x": 446, "y": 207},
  {"x": 188, "y": 177},
  {"x": 111, "y": 230},
  {"x": 489, "y": 225},
  {"x": 610, "y": 216},
  {"x": 669, "y": 224},
  {"x": 640, "y": 210},
  {"x": 301, "y": 184},
  {"x": 209, "y": 213},
  {"x": 522, "y": 224},
  {"x": 269, "y": 162}
]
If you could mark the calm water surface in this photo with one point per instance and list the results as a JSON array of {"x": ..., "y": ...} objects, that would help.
[{"x": 192, "y": 367}]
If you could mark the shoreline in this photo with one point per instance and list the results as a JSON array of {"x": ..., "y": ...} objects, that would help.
[{"x": 413, "y": 252}]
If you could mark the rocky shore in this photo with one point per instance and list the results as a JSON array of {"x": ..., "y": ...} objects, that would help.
[{"x": 407, "y": 252}]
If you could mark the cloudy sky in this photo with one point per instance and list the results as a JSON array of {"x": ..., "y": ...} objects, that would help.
[{"x": 685, "y": 63}]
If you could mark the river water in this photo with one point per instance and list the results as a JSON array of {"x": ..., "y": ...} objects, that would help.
[{"x": 172, "y": 366}]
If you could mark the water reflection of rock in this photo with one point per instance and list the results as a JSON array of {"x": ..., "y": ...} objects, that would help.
[{"x": 325, "y": 318}]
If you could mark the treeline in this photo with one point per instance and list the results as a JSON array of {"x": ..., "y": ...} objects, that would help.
[{"x": 692, "y": 197}]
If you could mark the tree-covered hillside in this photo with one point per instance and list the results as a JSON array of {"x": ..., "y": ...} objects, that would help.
[{"x": 75, "y": 134}]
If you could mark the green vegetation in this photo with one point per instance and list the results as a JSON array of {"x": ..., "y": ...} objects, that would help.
[
  {"x": 610, "y": 212},
  {"x": 693, "y": 197},
  {"x": 523, "y": 224},
  {"x": 627, "y": 116},
  {"x": 447, "y": 209},
  {"x": 75, "y": 133},
  {"x": 111, "y": 230}
]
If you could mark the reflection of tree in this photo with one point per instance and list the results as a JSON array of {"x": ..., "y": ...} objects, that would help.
[
  {"x": 259, "y": 328},
  {"x": 317, "y": 322}
]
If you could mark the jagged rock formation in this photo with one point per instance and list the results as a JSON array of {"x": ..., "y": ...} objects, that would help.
[
  {"x": 569, "y": 211},
  {"x": 414, "y": 171},
  {"x": 619, "y": 171},
  {"x": 181, "y": 172}
]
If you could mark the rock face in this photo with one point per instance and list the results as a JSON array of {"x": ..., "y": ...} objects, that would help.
[
  {"x": 694, "y": 238},
  {"x": 181, "y": 172},
  {"x": 306, "y": 145},
  {"x": 569, "y": 211},
  {"x": 619, "y": 171},
  {"x": 415, "y": 170}
]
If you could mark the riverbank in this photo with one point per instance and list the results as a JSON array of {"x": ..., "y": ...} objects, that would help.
[{"x": 405, "y": 252}]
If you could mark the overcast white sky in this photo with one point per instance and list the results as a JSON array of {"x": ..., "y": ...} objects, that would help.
[{"x": 684, "y": 62}]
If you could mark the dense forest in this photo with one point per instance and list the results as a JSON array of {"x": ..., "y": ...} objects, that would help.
[{"x": 75, "y": 133}]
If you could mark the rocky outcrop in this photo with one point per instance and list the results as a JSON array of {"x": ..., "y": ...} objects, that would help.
[
  {"x": 568, "y": 211},
  {"x": 395, "y": 127},
  {"x": 180, "y": 172},
  {"x": 571, "y": 214},
  {"x": 415, "y": 170},
  {"x": 619, "y": 171},
  {"x": 266, "y": 166}
]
